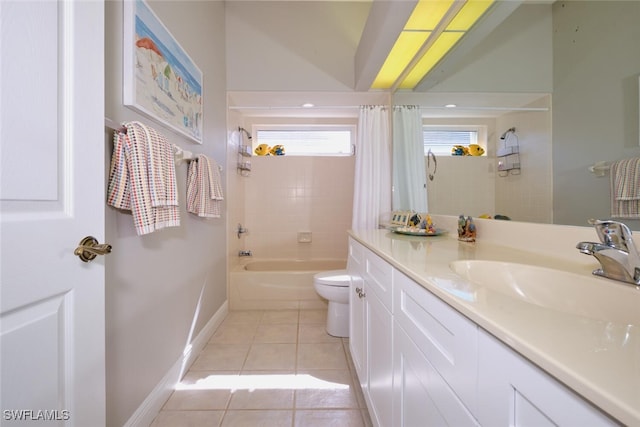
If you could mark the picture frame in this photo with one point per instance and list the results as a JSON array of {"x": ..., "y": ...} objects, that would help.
[
  {"x": 400, "y": 218},
  {"x": 160, "y": 79}
]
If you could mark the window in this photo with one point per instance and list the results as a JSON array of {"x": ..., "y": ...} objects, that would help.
[
  {"x": 309, "y": 140},
  {"x": 441, "y": 139}
]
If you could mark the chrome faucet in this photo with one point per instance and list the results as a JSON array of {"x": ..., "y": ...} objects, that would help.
[{"x": 616, "y": 252}]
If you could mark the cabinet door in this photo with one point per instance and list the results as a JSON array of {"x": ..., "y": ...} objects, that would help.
[
  {"x": 380, "y": 362},
  {"x": 420, "y": 396},
  {"x": 514, "y": 392},
  {"x": 357, "y": 311},
  {"x": 447, "y": 338}
]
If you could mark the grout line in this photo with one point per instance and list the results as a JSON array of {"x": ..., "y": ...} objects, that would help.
[{"x": 352, "y": 375}]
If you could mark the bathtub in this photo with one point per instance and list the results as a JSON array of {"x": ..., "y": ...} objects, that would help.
[{"x": 278, "y": 284}]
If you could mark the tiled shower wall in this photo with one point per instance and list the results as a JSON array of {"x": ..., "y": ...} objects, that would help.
[{"x": 285, "y": 195}]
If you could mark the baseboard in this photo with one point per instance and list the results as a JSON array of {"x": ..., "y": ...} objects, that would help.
[{"x": 151, "y": 406}]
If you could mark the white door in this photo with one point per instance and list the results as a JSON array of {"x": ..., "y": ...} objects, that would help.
[{"x": 52, "y": 195}]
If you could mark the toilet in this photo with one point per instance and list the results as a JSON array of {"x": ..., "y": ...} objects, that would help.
[{"x": 333, "y": 286}]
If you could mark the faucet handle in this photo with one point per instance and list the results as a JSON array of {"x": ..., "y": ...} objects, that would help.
[{"x": 612, "y": 233}]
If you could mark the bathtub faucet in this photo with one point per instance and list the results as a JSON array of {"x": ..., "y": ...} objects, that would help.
[
  {"x": 241, "y": 230},
  {"x": 245, "y": 253},
  {"x": 616, "y": 252}
]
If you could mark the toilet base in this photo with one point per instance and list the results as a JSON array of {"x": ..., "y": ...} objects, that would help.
[{"x": 338, "y": 319}]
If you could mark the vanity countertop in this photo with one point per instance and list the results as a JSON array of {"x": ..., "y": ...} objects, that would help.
[{"x": 598, "y": 358}]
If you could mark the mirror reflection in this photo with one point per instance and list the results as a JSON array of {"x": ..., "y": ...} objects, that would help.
[{"x": 564, "y": 76}]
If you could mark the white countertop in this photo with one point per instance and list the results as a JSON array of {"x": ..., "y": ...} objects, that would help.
[{"x": 597, "y": 358}]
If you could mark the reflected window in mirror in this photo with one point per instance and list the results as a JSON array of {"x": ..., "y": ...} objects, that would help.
[{"x": 442, "y": 139}]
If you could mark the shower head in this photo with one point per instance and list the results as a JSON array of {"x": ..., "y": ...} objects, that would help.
[
  {"x": 504, "y": 135},
  {"x": 245, "y": 132}
]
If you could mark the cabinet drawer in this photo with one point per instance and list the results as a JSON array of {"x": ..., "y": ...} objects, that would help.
[
  {"x": 378, "y": 278},
  {"x": 447, "y": 339}
]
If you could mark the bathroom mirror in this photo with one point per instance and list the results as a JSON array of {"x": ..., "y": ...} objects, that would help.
[{"x": 565, "y": 75}]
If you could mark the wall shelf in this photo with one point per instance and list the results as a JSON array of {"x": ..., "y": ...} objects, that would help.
[
  {"x": 244, "y": 150},
  {"x": 244, "y": 153},
  {"x": 508, "y": 154}
]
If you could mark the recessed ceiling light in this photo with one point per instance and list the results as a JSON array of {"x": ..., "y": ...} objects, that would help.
[
  {"x": 307, "y": 105},
  {"x": 450, "y": 106}
]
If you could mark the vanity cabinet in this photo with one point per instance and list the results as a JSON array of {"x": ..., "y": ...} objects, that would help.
[
  {"x": 514, "y": 392},
  {"x": 422, "y": 363}
]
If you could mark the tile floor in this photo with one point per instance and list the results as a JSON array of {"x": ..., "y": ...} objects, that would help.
[{"x": 269, "y": 368}]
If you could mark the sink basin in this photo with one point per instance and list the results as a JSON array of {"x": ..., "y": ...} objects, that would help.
[{"x": 558, "y": 290}]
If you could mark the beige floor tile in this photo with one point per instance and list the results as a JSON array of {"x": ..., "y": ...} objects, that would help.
[
  {"x": 334, "y": 390},
  {"x": 313, "y": 316},
  {"x": 271, "y": 357},
  {"x": 270, "y": 346},
  {"x": 234, "y": 333},
  {"x": 263, "y": 418},
  {"x": 314, "y": 333},
  {"x": 262, "y": 399},
  {"x": 197, "y": 399},
  {"x": 188, "y": 419},
  {"x": 280, "y": 316},
  {"x": 329, "y": 418},
  {"x": 321, "y": 356},
  {"x": 244, "y": 316},
  {"x": 221, "y": 357},
  {"x": 276, "y": 333}
]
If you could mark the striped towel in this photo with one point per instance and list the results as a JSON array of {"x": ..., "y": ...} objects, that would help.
[
  {"x": 625, "y": 188},
  {"x": 142, "y": 178},
  {"x": 204, "y": 188}
]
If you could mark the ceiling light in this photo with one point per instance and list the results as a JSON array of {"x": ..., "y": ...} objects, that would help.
[
  {"x": 308, "y": 105},
  {"x": 450, "y": 106},
  {"x": 433, "y": 28}
]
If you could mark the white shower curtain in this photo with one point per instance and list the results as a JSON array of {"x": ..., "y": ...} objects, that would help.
[
  {"x": 409, "y": 174},
  {"x": 372, "y": 189}
]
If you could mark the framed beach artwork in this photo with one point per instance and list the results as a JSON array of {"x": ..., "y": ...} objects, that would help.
[{"x": 160, "y": 79}]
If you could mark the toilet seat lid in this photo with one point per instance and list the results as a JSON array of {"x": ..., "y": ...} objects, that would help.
[{"x": 333, "y": 278}]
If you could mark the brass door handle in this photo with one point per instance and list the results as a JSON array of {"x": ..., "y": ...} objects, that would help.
[{"x": 89, "y": 248}]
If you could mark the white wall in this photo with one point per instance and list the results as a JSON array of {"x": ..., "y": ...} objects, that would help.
[
  {"x": 513, "y": 58},
  {"x": 162, "y": 288},
  {"x": 288, "y": 194},
  {"x": 527, "y": 196},
  {"x": 284, "y": 47},
  {"x": 463, "y": 184},
  {"x": 595, "y": 102},
  {"x": 236, "y": 184},
  {"x": 293, "y": 45}
]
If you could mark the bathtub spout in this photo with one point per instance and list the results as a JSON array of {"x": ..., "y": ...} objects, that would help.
[{"x": 244, "y": 253}]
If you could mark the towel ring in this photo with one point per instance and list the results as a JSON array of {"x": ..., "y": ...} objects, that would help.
[{"x": 435, "y": 164}]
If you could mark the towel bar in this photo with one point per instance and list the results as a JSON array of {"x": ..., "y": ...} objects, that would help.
[{"x": 600, "y": 168}]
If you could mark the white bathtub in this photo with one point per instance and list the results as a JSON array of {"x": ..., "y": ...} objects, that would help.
[{"x": 278, "y": 284}]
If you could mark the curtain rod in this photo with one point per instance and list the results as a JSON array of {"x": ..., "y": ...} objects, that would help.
[{"x": 325, "y": 107}]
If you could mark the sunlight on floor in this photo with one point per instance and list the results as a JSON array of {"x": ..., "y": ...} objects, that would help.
[{"x": 262, "y": 382}]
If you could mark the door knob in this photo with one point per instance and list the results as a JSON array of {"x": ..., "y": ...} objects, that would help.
[{"x": 89, "y": 248}]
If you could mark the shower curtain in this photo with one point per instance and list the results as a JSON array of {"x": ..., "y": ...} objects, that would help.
[
  {"x": 372, "y": 188},
  {"x": 409, "y": 174}
]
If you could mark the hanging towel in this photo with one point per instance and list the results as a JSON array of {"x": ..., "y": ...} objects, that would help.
[
  {"x": 142, "y": 178},
  {"x": 625, "y": 188},
  {"x": 204, "y": 188}
]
